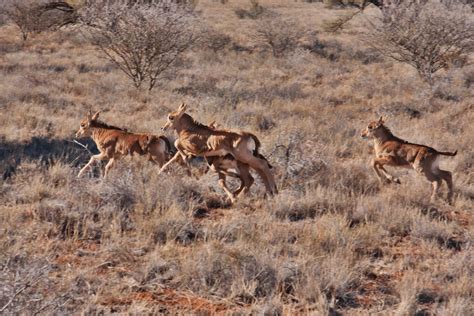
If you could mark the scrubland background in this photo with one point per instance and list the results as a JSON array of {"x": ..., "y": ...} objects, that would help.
[{"x": 334, "y": 241}]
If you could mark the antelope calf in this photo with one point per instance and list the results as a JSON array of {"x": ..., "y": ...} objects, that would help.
[
  {"x": 114, "y": 143},
  {"x": 196, "y": 139},
  {"x": 227, "y": 166},
  {"x": 393, "y": 151}
]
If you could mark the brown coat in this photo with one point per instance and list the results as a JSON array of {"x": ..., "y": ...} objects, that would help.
[
  {"x": 114, "y": 143},
  {"x": 197, "y": 139},
  {"x": 393, "y": 151}
]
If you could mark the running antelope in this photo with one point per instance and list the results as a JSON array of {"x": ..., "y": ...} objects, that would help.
[
  {"x": 114, "y": 143},
  {"x": 196, "y": 139},
  {"x": 393, "y": 151},
  {"x": 227, "y": 166},
  {"x": 224, "y": 166}
]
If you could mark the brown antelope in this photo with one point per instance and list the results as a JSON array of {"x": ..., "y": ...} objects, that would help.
[
  {"x": 227, "y": 166},
  {"x": 393, "y": 151},
  {"x": 196, "y": 139},
  {"x": 224, "y": 166},
  {"x": 114, "y": 143}
]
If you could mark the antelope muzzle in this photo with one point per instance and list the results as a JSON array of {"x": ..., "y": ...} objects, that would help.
[{"x": 166, "y": 126}]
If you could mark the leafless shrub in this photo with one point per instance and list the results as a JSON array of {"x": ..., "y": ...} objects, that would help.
[
  {"x": 427, "y": 35},
  {"x": 142, "y": 40},
  {"x": 189, "y": 4},
  {"x": 281, "y": 35},
  {"x": 469, "y": 78},
  {"x": 255, "y": 11},
  {"x": 180, "y": 231},
  {"x": 352, "y": 3},
  {"x": 331, "y": 3},
  {"x": 34, "y": 16},
  {"x": 216, "y": 41},
  {"x": 21, "y": 277},
  {"x": 446, "y": 90}
]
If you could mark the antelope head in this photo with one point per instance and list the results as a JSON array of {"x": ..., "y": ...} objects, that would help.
[
  {"x": 85, "y": 127},
  {"x": 174, "y": 118},
  {"x": 371, "y": 130}
]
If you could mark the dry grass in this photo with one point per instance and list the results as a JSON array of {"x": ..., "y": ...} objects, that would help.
[{"x": 333, "y": 241}]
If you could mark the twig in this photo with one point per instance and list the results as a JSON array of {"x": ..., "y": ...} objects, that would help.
[
  {"x": 6, "y": 265},
  {"x": 338, "y": 23},
  {"x": 57, "y": 305},
  {"x": 13, "y": 298},
  {"x": 83, "y": 146}
]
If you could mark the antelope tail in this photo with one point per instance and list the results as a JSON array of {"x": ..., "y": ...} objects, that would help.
[
  {"x": 257, "y": 144},
  {"x": 256, "y": 153},
  {"x": 448, "y": 153},
  {"x": 145, "y": 142},
  {"x": 168, "y": 145}
]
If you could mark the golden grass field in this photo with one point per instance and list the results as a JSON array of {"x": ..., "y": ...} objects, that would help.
[{"x": 333, "y": 242}]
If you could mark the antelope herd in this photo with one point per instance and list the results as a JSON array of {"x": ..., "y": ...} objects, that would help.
[{"x": 234, "y": 153}]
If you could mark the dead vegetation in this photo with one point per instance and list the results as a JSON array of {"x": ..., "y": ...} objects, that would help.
[
  {"x": 33, "y": 16},
  {"x": 333, "y": 241},
  {"x": 143, "y": 40},
  {"x": 427, "y": 35}
]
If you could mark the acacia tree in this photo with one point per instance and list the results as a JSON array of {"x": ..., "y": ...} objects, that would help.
[
  {"x": 34, "y": 16},
  {"x": 143, "y": 39},
  {"x": 427, "y": 35},
  {"x": 281, "y": 35},
  {"x": 20, "y": 13}
]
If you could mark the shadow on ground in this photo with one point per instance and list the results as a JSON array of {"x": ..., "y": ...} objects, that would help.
[{"x": 45, "y": 150}]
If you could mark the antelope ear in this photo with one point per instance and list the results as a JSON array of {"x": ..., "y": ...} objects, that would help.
[
  {"x": 381, "y": 120},
  {"x": 95, "y": 116},
  {"x": 182, "y": 108},
  {"x": 89, "y": 115}
]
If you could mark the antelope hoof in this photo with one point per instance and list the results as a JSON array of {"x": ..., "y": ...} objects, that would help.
[
  {"x": 232, "y": 199},
  {"x": 242, "y": 193},
  {"x": 450, "y": 201},
  {"x": 396, "y": 180}
]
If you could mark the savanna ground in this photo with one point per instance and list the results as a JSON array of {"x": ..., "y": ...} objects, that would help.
[{"x": 334, "y": 241}]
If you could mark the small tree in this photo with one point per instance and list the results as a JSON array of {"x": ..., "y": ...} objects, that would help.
[
  {"x": 21, "y": 14},
  {"x": 34, "y": 16},
  {"x": 279, "y": 34},
  {"x": 427, "y": 35},
  {"x": 142, "y": 39}
]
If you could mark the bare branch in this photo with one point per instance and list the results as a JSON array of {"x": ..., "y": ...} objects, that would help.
[
  {"x": 143, "y": 40},
  {"x": 427, "y": 35},
  {"x": 35, "y": 16},
  {"x": 83, "y": 146}
]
